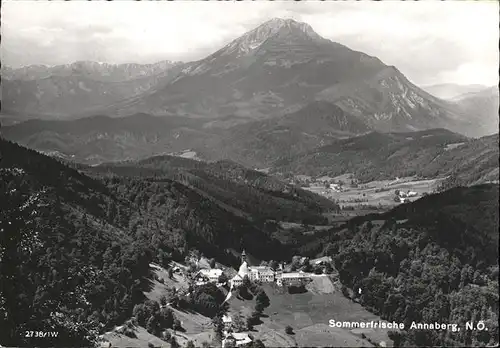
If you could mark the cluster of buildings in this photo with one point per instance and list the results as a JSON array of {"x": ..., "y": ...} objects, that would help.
[
  {"x": 336, "y": 187},
  {"x": 266, "y": 274},
  {"x": 263, "y": 274},
  {"x": 404, "y": 197},
  {"x": 332, "y": 188}
]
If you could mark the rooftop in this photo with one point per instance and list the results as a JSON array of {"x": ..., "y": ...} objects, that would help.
[
  {"x": 215, "y": 272},
  {"x": 238, "y": 277},
  {"x": 261, "y": 269},
  {"x": 293, "y": 275}
]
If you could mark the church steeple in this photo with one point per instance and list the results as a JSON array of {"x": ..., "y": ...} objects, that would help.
[{"x": 243, "y": 256}]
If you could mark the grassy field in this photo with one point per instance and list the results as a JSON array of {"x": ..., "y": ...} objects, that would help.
[
  {"x": 159, "y": 288},
  {"x": 308, "y": 314},
  {"x": 376, "y": 193},
  {"x": 141, "y": 341},
  {"x": 312, "y": 228}
]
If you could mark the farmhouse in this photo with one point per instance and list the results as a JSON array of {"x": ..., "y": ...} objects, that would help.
[
  {"x": 211, "y": 274},
  {"x": 402, "y": 194},
  {"x": 335, "y": 187},
  {"x": 103, "y": 342},
  {"x": 237, "y": 339},
  {"x": 227, "y": 321}
]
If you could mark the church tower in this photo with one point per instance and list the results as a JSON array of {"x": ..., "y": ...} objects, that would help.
[{"x": 243, "y": 256}]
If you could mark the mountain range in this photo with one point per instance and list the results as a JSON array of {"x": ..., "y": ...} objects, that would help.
[
  {"x": 63, "y": 91},
  {"x": 100, "y": 139},
  {"x": 94, "y": 70},
  {"x": 275, "y": 69},
  {"x": 449, "y": 91},
  {"x": 279, "y": 97},
  {"x": 320, "y": 139},
  {"x": 483, "y": 107},
  {"x": 377, "y": 156}
]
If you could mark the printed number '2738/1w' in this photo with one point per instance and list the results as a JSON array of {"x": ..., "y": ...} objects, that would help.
[{"x": 41, "y": 334}]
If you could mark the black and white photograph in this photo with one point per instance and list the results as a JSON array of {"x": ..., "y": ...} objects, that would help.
[{"x": 251, "y": 174}]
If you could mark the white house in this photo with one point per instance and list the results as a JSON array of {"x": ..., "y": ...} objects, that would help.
[
  {"x": 212, "y": 274},
  {"x": 261, "y": 273},
  {"x": 227, "y": 321},
  {"x": 292, "y": 277},
  {"x": 105, "y": 344},
  {"x": 236, "y": 281},
  {"x": 239, "y": 338},
  {"x": 335, "y": 187},
  {"x": 411, "y": 194}
]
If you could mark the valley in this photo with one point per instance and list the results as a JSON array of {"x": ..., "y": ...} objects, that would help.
[
  {"x": 201, "y": 215},
  {"x": 273, "y": 182},
  {"x": 374, "y": 194}
]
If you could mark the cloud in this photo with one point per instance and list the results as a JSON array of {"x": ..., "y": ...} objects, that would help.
[{"x": 427, "y": 40}]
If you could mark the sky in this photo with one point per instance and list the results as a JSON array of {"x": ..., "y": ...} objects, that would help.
[{"x": 431, "y": 42}]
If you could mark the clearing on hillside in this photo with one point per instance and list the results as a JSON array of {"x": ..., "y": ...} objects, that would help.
[{"x": 309, "y": 314}]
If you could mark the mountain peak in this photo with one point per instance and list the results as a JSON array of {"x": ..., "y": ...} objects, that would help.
[
  {"x": 276, "y": 27},
  {"x": 280, "y": 22}
]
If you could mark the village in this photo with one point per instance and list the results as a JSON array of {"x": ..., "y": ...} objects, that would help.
[
  {"x": 290, "y": 282},
  {"x": 298, "y": 273},
  {"x": 280, "y": 274},
  {"x": 290, "y": 290}
]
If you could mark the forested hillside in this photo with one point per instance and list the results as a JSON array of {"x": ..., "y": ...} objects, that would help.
[
  {"x": 259, "y": 143},
  {"x": 378, "y": 156},
  {"x": 245, "y": 192},
  {"x": 433, "y": 260},
  {"x": 64, "y": 266},
  {"x": 82, "y": 258},
  {"x": 186, "y": 218}
]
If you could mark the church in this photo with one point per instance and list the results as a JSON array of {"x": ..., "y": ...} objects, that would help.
[{"x": 254, "y": 273}]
